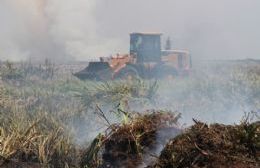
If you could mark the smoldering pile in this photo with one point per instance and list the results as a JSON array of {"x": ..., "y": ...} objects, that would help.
[
  {"x": 132, "y": 143},
  {"x": 213, "y": 146},
  {"x": 137, "y": 144}
]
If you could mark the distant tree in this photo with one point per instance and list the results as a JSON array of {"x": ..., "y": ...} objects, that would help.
[{"x": 168, "y": 45}]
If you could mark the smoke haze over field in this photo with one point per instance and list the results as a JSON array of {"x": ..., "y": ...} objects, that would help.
[{"x": 87, "y": 29}]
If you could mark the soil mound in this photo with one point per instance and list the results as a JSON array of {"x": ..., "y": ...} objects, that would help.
[
  {"x": 132, "y": 143},
  {"x": 215, "y": 146}
]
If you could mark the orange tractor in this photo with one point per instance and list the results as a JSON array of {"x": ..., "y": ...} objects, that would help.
[{"x": 145, "y": 60}]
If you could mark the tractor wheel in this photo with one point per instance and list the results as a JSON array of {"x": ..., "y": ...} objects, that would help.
[
  {"x": 127, "y": 73},
  {"x": 164, "y": 71}
]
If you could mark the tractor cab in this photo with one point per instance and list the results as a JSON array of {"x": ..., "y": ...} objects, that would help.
[{"x": 146, "y": 47}]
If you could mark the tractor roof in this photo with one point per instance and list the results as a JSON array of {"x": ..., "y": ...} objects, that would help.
[
  {"x": 176, "y": 51},
  {"x": 146, "y": 33}
]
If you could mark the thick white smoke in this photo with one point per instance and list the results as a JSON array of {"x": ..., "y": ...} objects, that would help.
[
  {"x": 86, "y": 29},
  {"x": 56, "y": 29},
  {"x": 210, "y": 29},
  {"x": 73, "y": 25},
  {"x": 24, "y": 30}
]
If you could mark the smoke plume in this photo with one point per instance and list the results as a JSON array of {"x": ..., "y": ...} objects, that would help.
[
  {"x": 87, "y": 29},
  {"x": 54, "y": 29}
]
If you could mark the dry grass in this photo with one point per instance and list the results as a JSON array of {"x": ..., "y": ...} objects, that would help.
[
  {"x": 40, "y": 140},
  {"x": 45, "y": 110}
]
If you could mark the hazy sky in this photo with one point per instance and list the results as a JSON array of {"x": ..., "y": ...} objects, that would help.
[{"x": 87, "y": 29}]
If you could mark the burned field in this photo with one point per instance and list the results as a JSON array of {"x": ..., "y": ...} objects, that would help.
[
  {"x": 48, "y": 118},
  {"x": 214, "y": 145},
  {"x": 130, "y": 144},
  {"x": 135, "y": 144}
]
